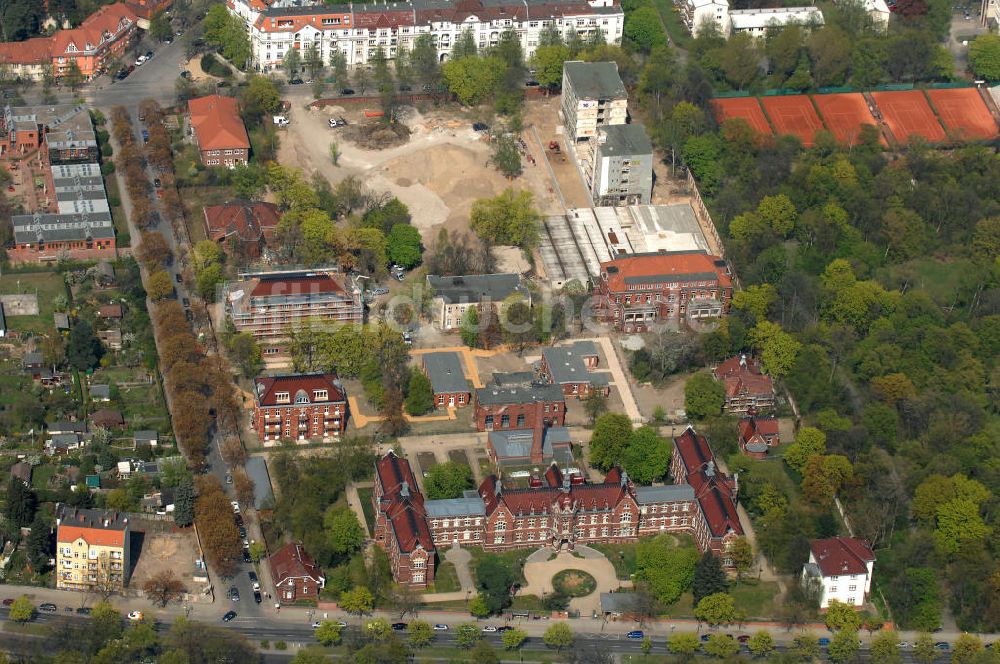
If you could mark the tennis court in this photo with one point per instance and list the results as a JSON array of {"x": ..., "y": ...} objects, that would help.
[
  {"x": 963, "y": 113},
  {"x": 845, "y": 115},
  {"x": 744, "y": 108},
  {"x": 794, "y": 115},
  {"x": 908, "y": 114}
]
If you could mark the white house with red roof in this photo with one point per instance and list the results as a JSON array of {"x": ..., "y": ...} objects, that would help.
[{"x": 843, "y": 566}]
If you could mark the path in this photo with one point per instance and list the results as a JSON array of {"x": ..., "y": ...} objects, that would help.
[
  {"x": 539, "y": 570},
  {"x": 461, "y": 558},
  {"x": 620, "y": 379},
  {"x": 354, "y": 502},
  {"x": 361, "y": 420}
]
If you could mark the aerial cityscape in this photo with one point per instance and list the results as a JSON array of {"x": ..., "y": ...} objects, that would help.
[{"x": 583, "y": 331}]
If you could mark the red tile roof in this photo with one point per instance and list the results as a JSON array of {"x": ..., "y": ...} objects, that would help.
[
  {"x": 217, "y": 123},
  {"x": 292, "y": 562},
  {"x": 110, "y": 311},
  {"x": 403, "y": 504},
  {"x": 741, "y": 375},
  {"x": 102, "y": 25},
  {"x": 247, "y": 220},
  {"x": 265, "y": 388},
  {"x": 34, "y": 51},
  {"x": 712, "y": 488},
  {"x": 764, "y": 426},
  {"x": 284, "y": 286},
  {"x": 146, "y": 9},
  {"x": 676, "y": 266},
  {"x": 539, "y": 500},
  {"x": 842, "y": 555},
  {"x": 92, "y": 536}
]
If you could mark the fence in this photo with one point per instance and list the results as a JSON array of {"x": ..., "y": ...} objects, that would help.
[{"x": 886, "y": 87}]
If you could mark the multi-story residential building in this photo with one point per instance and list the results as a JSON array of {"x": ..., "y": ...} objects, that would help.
[
  {"x": 401, "y": 522},
  {"x": 843, "y": 568},
  {"x": 218, "y": 129},
  {"x": 92, "y": 549},
  {"x": 593, "y": 96},
  {"x": 747, "y": 389},
  {"x": 299, "y": 407},
  {"x": 617, "y": 165},
  {"x": 243, "y": 226},
  {"x": 571, "y": 367},
  {"x": 358, "y": 30},
  {"x": 453, "y": 296},
  {"x": 637, "y": 291},
  {"x": 696, "y": 13},
  {"x": 101, "y": 38},
  {"x": 559, "y": 509},
  {"x": 270, "y": 304},
  {"x": 451, "y": 388},
  {"x": 51, "y": 237},
  {"x": 62, "y": 133},
  {"x": 519, "y": 406},
  {"x": 758, "y": 21}
]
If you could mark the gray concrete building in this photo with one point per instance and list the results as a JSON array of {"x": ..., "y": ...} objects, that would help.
[
  {"x": 593, "y": 95},
  {"x": 618, "y": 165}
]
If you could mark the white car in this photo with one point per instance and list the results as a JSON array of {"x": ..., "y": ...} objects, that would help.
[
  {"x": 490, "y": 628},
  {"x": 135, "y": 615},
  {"x": 236, "y": 506},
  {"x": 440, "y": 628},
  {"x": 140, "y": 60}
]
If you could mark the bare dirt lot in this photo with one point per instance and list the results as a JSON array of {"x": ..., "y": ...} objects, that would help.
[{"x": 166, "y": 550}]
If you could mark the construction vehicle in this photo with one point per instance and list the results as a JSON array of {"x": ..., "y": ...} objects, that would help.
[{"x": 556, "y": 150}]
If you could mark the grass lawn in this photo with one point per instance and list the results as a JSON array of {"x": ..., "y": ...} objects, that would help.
[
  {"x": 671, "y": 18},
  {"x": 195, "y": 199},
  {"x": 47, "y": 285},
  {"x": 365, "y": 496},
  {"x": 41, "y": 474},
  {"x": 446, "y": 579},
  {"x": 117, "y": 212},
  {"x": 514, "y": 560},
  {"x": 622, "y": 556},
  {"x": 943, "y": 281},
  {"x": 755, "y": 600}
]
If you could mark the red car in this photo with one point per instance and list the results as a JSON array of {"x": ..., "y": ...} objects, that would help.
[{"x": 8, "y": 601}]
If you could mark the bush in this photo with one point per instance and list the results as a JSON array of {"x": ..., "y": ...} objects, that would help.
[
  {"x": 107, "y": 168},
  {"x": 213, "y": 66},
  {"x": 280, "y": 645}
]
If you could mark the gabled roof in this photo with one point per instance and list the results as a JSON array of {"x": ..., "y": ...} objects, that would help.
[
  {"x": 539, "y": 500},
  {"x": 565, "y": 364},
  {"x": 248, "y": 221},
  {"x": 96, "y": 527},
  {"x": 664, "y": 267},
  {"x": 762, "y": 426},
  {"x": 403, "y": 504},
  {"x": 741, "y": 375},
  {"x": 476, "y": 288},
  {"x": 499, "y": 396},
  {"x": 837, "y": 556},
  {"x": 110, "y": 311},
  {"x": 107, "y": 417},
  {"x": 292, "y": 562},
  {"x": 444, "y": 369},
  {"x": 712, "y": 488},
  {"x": 297, "y": 385},
  {"x": 217, "y": 123},
  {"x": 100, "y": 26}
]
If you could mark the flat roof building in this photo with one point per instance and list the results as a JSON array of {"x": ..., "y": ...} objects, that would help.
[
  {"x": 618, "y": 165},
  {"x": 593, "y": 95},
  {"x": 452, "y": 296}
]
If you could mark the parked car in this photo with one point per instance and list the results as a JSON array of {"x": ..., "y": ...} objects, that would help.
[
  {"x": 257, "y": 597},
  {"x": 337, "y": 122},
  {"x": 296, "y": 81},
  {"x": 229, "y": 616},
  {"x": 505, "y": 628},
  {"x": 346, "y": 92},
  {"x": 246, "y": 555},
  {"x": 145, "y": 136},
  {"x": 480, "y": 126},
  {"x": 47, "y": 607},
  {"x": 942, "y": 645},
  {"x": 743, "y": 638},
  {"x": 140, "y": 60},
  {"x": 635, "y": 634},
  {"x": 234, "y": 594},
  {"x": 135, "y": 615},
  {"x": 490, "y": 628},
  {"x": 254, "y": 581},
  {"x": 437, "y": 628},
  {"x": 823, "y": 642},
  {"x": 704, "y": 638},
  {"x": 177, "y": 277},
  {"x": 8, "y": 601},
  {"x": 229, "y": 478},
  {"x": 157, "y": 183},
  {"x": 185, "y": 74},
  {"x": 187, "y": 305},
  {"x": 399, "y": 627},
  {"x": 84, "y": 610},
  {"x": 236, "y": 505},
  {"x": 149, "y": 55}
]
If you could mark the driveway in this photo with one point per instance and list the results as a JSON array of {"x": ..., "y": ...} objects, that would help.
[
  {"x": 539, "y": 570},
  {"x": 619, "y": 378}
]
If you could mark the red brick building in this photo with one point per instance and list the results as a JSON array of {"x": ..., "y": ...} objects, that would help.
[
  {"x": 571, "y": 367},
  {"x": 746, "y": 387},
  {"x": 640, "y": 290},
  {"x": 295, "y": 574},
  {"x": 513, "y": 406},
  {"x": 299, "y": 407},
  {"x": 401, "y": 522},
  {"x": 245, "y": 226},
  {"x": 757, "y": 435},
  {"x": 218, "y": 129},
  {"x": 444, "y": 370}
]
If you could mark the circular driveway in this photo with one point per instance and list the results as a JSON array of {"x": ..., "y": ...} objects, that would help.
[{"x": 539, "y": 570}]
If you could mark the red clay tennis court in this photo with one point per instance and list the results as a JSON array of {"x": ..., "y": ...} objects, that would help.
[
  {"x": 744, "y": 108},
  {"x": 908, "y": 114},
  {"x": 963, "y": 113},
  {"x": 845, "y": 115},
  {"x": 794, "y": 115}
]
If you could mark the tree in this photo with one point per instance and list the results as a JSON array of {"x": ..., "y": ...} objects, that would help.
[
  {"x": 357, "y": 601},
  {"x": 777, "y": 348},
  {"x": 84, "y": 349},
  {"x": 709, "y": 577},
  {"x": 259, "y": 99},
  {"x": 684, "y": 645},
  {"x": 425, "y": 63},
  {"x": 843, "y": 647},
  {"x": 923, "y": 648},
  {"x": 467, "y": 635},
  {"x": 610, "y": 437},
  {"x": 313, "y": 61},
  {"x": 154, "y": 251},
  {"x": 805, "y": 647},
  {"x": 495, "y": 581},
  {"x": 328, "y": 633},
  {"x": 184, "y": 504},
  {"x": 249, "y": 181},
  {"x": 841, "y": 616},
  {"x": 595, "y": 404},
  {"x": 830, "y": 50},
  {"x": 73, "y": 77},
  {"x": 447, "y": 480},
  {"x": 159, "y": 286},
  {"x": 404, "y": 246},
  {"x": 21, "y": 503},
  {"x": 548, "y": 62},
  {"x": 465, "y": 46},
  {"x": 761, "y": 644},
  {"x": 420, "y": 395},
  {"x": 39, "y": 545},
  {"x": 809, "y": 442},
  {"x": 959, "y": 524},
  {"x": 478, "y": 606},
  {"x": 291, "y": 62},
  {"x": 885, "y": 648},
  {"x": 666, "y": 566},
  {"x": 22, "y": 610},
  {"x": 485, "y": 653},
  {"x": 647, "y": 455},
  {"x": 721, "y": 646},
  {"x": 420, "y": 633},
  {"x": 470, "y": 327},
  {"x": 741, "y": 553},
  {"x": 703, "y": 396},
  {"x": 559, "y": 635},
  {"x": 717, "y": 609},
  {"x": 514, "y": 638},
  {"x": 346, "y": 533},
  {"x": 163, "y": 587},
  {"x": 509, "y": 218},
  {"x": 506, "y": 156},
  {"x": 246, "y": 353},
  {"x": 740, "y": 60},
  {"x": 473, "y": 79},
  {"x": 644, "y": 29},
  {"x": 307, "y": 655}
]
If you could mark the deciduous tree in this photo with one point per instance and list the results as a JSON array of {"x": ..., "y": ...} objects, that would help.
[
  {"x": 509, "y": 218},
  {"x": 709, "y": 577},
  {"x": 721, "y": 646},
  {"x": 163, "y": 587},
  {"x": 559, "y": 635},
  {"x": 610, "y": 437},
  {"x": 717, "y": 609},
  {"x": 447, "y": 480},
  {"x": 703, "y": 396},
  {"x": 420, "y": 395},
  {"x": 328, "y": 633},
  {"x": 159, "y": 286}
]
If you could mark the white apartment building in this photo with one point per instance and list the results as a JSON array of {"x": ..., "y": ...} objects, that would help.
[
  {"x": 843, "y": 566},
  {"x": 696, "y": 13},
  {"x": 757, "y": 21},
  {"x": 358, "y": 30}
]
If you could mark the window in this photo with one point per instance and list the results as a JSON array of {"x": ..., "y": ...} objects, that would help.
[
  {"x": 320, "y": 395},
  {"x": 520, "y": 421},
  {"x": 419, "y": 564},
  {"x": 504, "y": 421},
  {"x": 418, "y": 577},
  {"x": 833, "y": 589},
  {"x": 282, "y": 397},
  {"x": 852, "y": 588},
  {"x": 626, "y": 517}
]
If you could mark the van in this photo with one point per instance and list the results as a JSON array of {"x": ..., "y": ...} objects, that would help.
[{"x": 281, "y": 120}]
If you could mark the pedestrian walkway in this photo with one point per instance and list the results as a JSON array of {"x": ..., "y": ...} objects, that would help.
[
  {"x": 361, "y": 420},
  {"x": 620, "y": 379},
  {"x": 354, "y": 502},
  {"x": 539, "y": 570}
]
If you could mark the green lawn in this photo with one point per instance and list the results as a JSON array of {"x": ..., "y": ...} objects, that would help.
[
  {"x": 514, "y": 559},
  {"x": 446, "y": 579},
  {"x": 622, "y": 556},
  {"x": 365, "y": 496},
  {"x": 754, "y": 600},
  {"x": 41, "y": 474},
  {"x": 671, "y": 18},
  {"x": 47, "y": 285}
]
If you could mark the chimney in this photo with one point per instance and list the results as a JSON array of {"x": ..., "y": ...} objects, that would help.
[{"x": 537, "y": 435}]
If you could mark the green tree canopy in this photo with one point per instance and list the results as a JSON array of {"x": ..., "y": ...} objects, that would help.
[
  {"x": 404, "y": 245},
  {"x": 612, "y": 432},
  {"x": 703, "y": 396},
  {"x": 447, "y": 480},
  {"x": 666, "y": 565},
  {"x": 716, "y": 609},
  {"x": 510, "y": 218},
  {"x": 984, "y": 57},
  {"x": 420, "y": 395}
]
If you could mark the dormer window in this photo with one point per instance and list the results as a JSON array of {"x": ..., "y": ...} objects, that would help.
[
  {"x": 282, "y": 397},
  {"x": 320, "y": 395},
  {"x": 71, "y": 48},
  {"x": 301, "y": 398}
]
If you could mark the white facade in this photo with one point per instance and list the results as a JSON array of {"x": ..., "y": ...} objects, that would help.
[
  {"x": 359, "y": 30},
  {"x": 757, "y": 21},
  {"x": 697, "y": 13},
  {"x": 843, "y": 568},
  {"x": 879, "y": 12}
]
